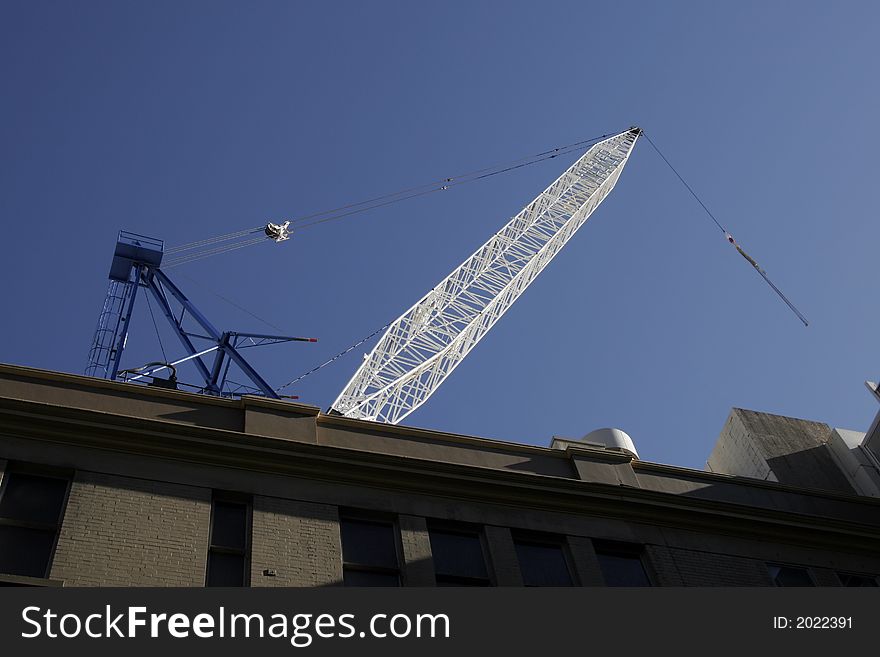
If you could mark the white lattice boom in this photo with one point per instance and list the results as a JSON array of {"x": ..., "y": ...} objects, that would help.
[{"x": 425, "y": 344}]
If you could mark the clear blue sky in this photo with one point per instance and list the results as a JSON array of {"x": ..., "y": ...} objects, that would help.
[{"x": 185, "y": 120}]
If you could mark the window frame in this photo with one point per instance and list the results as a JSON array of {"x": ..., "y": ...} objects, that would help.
[
  {"x": 46, "y": 472},
  {"x": 369, "y": 517},
  {"x": 777, "y": 564},
  {"x": 462, "y": 529},
  {"x": 546, "y": 540},
  {"x": 227, "y": 497},
  {"x": 622, "y": 549},
  {"x": 865, "y": 576}
]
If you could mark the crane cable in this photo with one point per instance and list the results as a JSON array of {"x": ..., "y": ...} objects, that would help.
[
  {"x": 333, "y": 359},
  {"x": 451, "y": 181},
  {"x": 446, "y": 183},
  {"x": 174, "y": 262},
  {"x": 212, "y": 240},
  {"x": 216, "y": 244},
  {"x": 729, "y": 237}
]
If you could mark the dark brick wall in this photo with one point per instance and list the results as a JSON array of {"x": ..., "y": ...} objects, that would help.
[
  {"x": 418, "y": 566},
  {"x": 502, "y": 554},
  {"x": 679, "y": 567}
]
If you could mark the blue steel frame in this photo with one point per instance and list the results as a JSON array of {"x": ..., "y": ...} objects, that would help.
[{"x": 163, "y": 289}]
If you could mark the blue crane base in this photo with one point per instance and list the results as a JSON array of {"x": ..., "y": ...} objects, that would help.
[{"x": 137, "y": 264}]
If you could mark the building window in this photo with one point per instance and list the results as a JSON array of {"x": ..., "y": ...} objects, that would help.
[
  {"x": 854, "y": 579},
  {"x": 789, "y": 575},
  {"x": 230, "y": 546},
  {"x": 459, "y": 558},
  {"x": 369, "y": 552},
  {"x": 543, "y": 561},
  {"x": 31, "y": 509},
  {"x": 621, "y": 563}
]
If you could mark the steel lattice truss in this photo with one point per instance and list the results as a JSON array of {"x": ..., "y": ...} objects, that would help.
[{"x": 425, "y": 344}]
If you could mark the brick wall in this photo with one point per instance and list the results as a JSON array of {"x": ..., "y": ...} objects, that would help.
[
  {"x": 299, "y": 540},
  {"x": 502, "y": 554},
  {"x": 418, "y": 566},
  {"x": 584, "y": 561},
  {"x": 119, "y": 531},
  {"x": 678, "y": 567},
  {"x": 825, "y": 577}
]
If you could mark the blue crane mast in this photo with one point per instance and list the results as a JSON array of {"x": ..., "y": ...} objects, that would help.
[{"x": 137, "y": 263}]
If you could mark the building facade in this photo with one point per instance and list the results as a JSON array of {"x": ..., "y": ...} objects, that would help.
[{"x": 113, "y": 484}]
